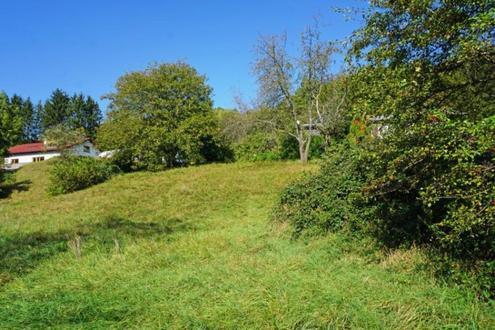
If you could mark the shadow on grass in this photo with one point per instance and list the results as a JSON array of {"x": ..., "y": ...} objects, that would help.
[
  {"x": 20, "y": 253},
  {"x": 7, "y": 189}
]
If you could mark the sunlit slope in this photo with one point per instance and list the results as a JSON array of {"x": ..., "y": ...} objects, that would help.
[{"x": 194, "y": 248}]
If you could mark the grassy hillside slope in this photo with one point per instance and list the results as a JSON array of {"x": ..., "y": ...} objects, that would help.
[{"x": 194, "y": 248}]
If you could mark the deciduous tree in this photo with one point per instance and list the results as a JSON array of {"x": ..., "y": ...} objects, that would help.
[
  {"x": 296, "y": 87},
  {"x": 147, "y": 111}
]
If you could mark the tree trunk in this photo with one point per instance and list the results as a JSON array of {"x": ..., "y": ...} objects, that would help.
[
  {"x": 304, "y": 149},
  {"x": 303, "y": 152}
]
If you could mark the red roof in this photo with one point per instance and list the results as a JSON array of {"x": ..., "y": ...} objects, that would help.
[{"x": 29, "y": 148}]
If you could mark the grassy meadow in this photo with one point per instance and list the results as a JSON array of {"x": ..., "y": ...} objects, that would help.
[{"x": 195, "y": 248}]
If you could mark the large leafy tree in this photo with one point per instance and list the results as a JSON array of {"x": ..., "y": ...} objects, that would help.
[
  {"x": 426, "y": 69},
  {"x": 148, "y": 110}
]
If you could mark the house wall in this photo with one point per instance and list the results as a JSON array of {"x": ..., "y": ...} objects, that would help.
[
  {"x": 78, "y": 150},
  {"x": 28, "y": 158}
]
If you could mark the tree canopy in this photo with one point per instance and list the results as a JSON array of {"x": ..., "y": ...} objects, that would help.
[
  {"x": 149, "y": 112},
  {"x": 74, "y": 112}
]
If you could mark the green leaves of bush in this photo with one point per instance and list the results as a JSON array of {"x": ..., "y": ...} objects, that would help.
[
  {"x": 72, "y": 173},
  {"x": 325, "y": 201}
]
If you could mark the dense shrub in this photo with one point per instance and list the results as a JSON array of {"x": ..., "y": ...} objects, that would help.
[
  {"x": 439, "y": 192},
  {"x": 72, "y": 173},
  {"x": 325, "y": 201},
  {"x": 199, "y": 141},
  {"x": 289, "y": 147},
  {"x": 262, "y": 134},
  {"x": 258, "y": 146}
]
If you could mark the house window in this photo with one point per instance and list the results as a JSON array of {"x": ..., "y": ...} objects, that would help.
[
  {"x": 14, "y": 161},
  {"x": 86, "y": 149},
  {"x": 38, "y": 159}
]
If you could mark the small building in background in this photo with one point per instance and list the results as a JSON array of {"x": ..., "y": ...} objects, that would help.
[{"x": 23, "y": 154}]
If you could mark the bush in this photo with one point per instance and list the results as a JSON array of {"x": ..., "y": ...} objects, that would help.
[
  {"x": 199, "y": 141},
  {"x": 256, "y": 147},
  {"x": 259, "y": 146},
  {"x": 325, "y": 201},
  {"x": 439, "y": 192},
  {"x": 289, "y": 148},
  {"x": 72, "y": 173}
]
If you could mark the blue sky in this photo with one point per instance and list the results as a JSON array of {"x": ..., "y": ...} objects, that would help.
[{"x": 84, "y": 46}]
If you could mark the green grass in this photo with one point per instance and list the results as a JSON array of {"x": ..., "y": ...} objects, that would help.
[{"x": 194, "y": 248}]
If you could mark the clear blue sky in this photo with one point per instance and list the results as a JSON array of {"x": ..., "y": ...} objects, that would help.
[{"x": 84, "y": 46}]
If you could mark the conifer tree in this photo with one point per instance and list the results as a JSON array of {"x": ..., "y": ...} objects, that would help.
[
  {"x": 85, "y": 113},
  {"x": 10, "y": 124},
  {"x": 56, "y": 110}
]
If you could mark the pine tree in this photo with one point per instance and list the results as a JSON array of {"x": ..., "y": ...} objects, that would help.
[
  {"x": 56, "y": 110},
  {"x": 34, "y": 128},
  {"x": 15, "y": 113},
  {"x": 84, "y": 113},
  {"x": 76, "y": 110},
  {"x": 28, "y": 120},
  {"x": 91, "y": 117}
]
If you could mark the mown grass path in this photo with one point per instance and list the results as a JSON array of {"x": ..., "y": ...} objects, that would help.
[{"x": 194, "y": 248}]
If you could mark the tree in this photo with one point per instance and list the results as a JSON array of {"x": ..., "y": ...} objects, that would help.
[
  {"x": 84, "y": 113},
  {"x": 29, "y": 127},
  {"x": 63, "y": 137},
  {"x": 200, "y": 140},
  {"x": 146, "y": 114},
  {"x": 427, "y": 69},
  {"x": 10, "y": 123},
  {"x": 73, "y": 112},
  {"x": 56, "y": 109},
  {"x": 25, "y": 110},
  {"x": 35, "y": 128},
  {"x": 280, "y": 77}
]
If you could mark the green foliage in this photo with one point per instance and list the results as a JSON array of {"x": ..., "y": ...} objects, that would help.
[
  {"x": 84, "y": 113},
  {"x": 10, "y": 124},
  {"x": 288, "y": 147},
  {"x": 62, "y": 137},
  {"x": 162, "y": 117},
  {"x": 27, "y": 114},
  {"x": 427, "y": 69},
  {"x": 76, "y": 112},
  {"x": 200, "y": 141},
  {"x": 325, "y": 201},
  {"x": 257, "y": 146},
  {"x": 254, "y": 136},
  {"x": 72, "y": 173},
  {"x": 56, "y": 109},
  {"x": 358, "y": 132},
  {"x": 1, "y": 175}
]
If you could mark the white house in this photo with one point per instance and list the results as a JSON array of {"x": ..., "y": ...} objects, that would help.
[{"x": 23, "y": 154}]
